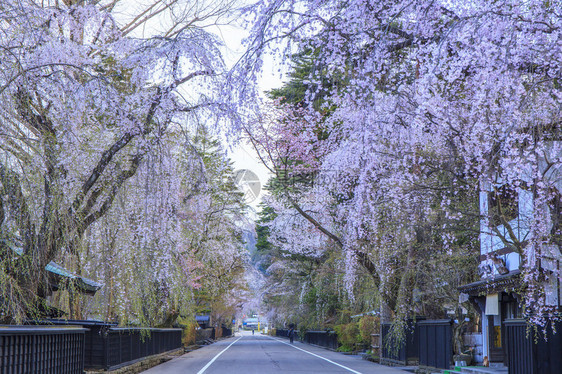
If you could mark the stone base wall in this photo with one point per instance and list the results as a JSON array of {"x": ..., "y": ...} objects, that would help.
[{"x": 144, "y": 364}]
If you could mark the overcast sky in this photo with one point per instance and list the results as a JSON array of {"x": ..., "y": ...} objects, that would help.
[{"x": 243, "y": 155}]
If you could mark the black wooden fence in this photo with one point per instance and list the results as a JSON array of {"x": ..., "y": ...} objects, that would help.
[
  {"x": 435, "y": 343},
  {"x": 520, "y": 352},
  {"x": 226, "y": 332},
  {"x": 390, "y": 352},
  {"x": 34, "y": 349},
  {"x": 126, "y": 345},
  {"x": 94, "y": 339},
  {"x": 109, "y": 347},
  {"x": 407, "y": 353},
  {"x": 328, "y": 339},
  {"x": 527, "y": 355},
  {"x": 282, "y": 333}
]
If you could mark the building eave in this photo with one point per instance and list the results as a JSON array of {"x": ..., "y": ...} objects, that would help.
[{"x": 509, "y": 282}]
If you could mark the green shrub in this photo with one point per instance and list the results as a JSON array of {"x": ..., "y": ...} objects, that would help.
[
  {"x": 188, "y": 331},
  {"x": 368, "y": 325},
  {"x": 345, "y": 348},
  {"x": 348, "y": 335}
]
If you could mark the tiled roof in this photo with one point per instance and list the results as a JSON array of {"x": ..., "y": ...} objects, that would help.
[
  {"x": 82, "y": 283},
  {"x": 498, "y": 283}
]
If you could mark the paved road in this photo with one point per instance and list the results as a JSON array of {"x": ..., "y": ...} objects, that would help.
[{"x": 260, "y": 354}]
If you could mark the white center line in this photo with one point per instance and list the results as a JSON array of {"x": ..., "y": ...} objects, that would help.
[
  {"x": 315, "y": 355},
  {"x": 217, "y": 356}
]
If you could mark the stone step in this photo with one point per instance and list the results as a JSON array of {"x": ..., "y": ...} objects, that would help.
[
  {"x": 475, "y": 370},
  {"x": 483, "y": 370}
]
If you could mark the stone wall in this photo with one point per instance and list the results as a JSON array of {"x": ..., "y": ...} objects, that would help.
[{"x": 143, "y": 365}]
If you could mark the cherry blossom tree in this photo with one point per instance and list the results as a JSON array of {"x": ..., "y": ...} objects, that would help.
[
  {"x": 170, "y": 246},
  {"x": 402, "y": 243},
  {"x": 88, "y": 97},
  {"x": 441, "y": 99}
]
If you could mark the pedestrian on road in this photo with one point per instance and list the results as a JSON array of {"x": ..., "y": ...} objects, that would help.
[
  {"x": 252, "y": 331},
  {"x": 291, "y": 334}
]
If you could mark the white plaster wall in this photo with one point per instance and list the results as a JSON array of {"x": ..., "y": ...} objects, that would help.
[
  {"x": 485, "y": 237},
  {"x": 512, "y": 261},
  {"x": 490, "y": 241}
]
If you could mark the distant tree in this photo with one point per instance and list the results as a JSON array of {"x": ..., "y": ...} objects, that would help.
[{"x": 216, "y": 239}]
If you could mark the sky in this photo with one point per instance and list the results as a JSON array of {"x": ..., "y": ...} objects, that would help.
[{"x": 243, "y": 154}]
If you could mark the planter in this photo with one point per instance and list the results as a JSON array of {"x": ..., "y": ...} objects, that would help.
[{"x": 462, "y": 360}]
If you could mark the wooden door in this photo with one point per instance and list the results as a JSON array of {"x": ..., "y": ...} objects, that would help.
[{"x": 496, "y": 339}]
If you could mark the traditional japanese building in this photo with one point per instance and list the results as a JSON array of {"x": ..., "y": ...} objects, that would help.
[
  {"x": 59, "y": 276},
  {"x": 508, "y": 214}
]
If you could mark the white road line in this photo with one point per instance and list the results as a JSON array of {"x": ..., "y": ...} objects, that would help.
[
  {"x": 217, "y": 356},
  {"x": 315, "y": 355}
]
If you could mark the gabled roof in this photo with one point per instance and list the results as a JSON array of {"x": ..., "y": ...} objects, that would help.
[
  {"x": 83, "y": 284},
  {"x": 370, "y": 313},
  {"x": 205, "y": 318}
]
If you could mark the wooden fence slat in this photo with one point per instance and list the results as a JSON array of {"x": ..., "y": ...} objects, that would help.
[
  {"x": 328, "y": 339},
  {"x": 32, "y": 349},
  {"x": 436, "y": 343}
]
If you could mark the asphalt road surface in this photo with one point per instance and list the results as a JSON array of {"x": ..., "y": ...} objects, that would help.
[{"x": 260, "y": 354}]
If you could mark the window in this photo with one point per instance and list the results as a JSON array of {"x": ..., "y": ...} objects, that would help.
[{"x": 503, "y": 205}]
